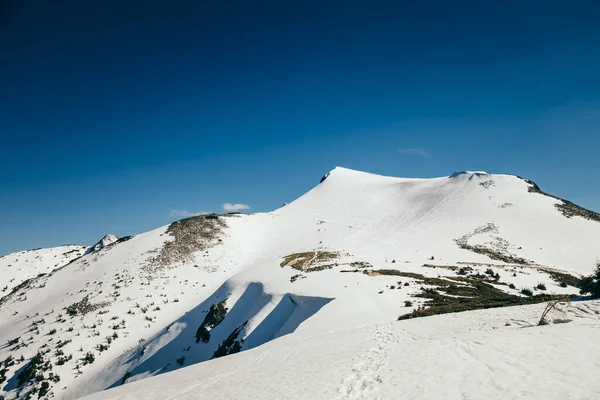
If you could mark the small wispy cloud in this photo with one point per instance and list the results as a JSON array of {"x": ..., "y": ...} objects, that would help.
[
  {"x": 414, "y": 152},
  {"x": 185, "y": 213},
  {"x": 234, "y": 207}
]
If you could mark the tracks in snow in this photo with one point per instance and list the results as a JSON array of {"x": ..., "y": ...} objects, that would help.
[{"x": 364, "y": 380}]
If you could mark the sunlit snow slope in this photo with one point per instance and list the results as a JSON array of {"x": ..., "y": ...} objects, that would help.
[
  {"x": 23, "y": 265},
  {"x": 353, "y": 252}
]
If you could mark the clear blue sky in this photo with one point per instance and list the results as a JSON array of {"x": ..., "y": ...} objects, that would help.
[{"x": 118, "y": 116}]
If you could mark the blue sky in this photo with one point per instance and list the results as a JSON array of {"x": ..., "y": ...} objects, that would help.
[{"x": 119, "y": 118}]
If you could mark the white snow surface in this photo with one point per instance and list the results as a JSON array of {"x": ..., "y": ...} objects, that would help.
[
  {"x": 323, "y": 334},
  {"x": 484, "y": 354},
  {"x": 17, "y": 267}
]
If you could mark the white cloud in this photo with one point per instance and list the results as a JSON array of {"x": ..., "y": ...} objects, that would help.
[
  {"x": 234, "y": 207},
  {"x": 414, "y": 152},
  {"x": 185, "y": 213}
]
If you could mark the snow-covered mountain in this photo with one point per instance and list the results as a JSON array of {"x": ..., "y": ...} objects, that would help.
[{"x": 315, "y": 289}]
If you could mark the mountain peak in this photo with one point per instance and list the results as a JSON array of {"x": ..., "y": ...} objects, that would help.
[{"x": 102, "y": 243}]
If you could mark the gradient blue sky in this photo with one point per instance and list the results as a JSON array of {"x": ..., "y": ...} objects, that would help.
[{"x": 118, "y": 116}]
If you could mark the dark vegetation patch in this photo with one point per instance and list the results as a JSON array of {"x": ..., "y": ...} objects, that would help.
[
  {"x": 8, "y": 362},
  {"x": 230, "y": 345},
  {"x": 84, "y": 307},
  {"x": 478, "y": 295},
  {"x": 216, "y": 314},
  {"x": 360, "y": 264},
  {"x": 563, "y": 278},
  {"x": 526, "y": 292},
  {"x": 448, "y": 267},
  {"x": 296, "y": 277},
  {"x": 567, "y": 208},
  {"x": 321, "y": 267},
  {"x": 418, "y": 277},
  {"x": 591, "y": 284},
  {"x": 36, "y": 366},
  {"x": 89, "y": 358},
  {"x": 189, "y": 235}
]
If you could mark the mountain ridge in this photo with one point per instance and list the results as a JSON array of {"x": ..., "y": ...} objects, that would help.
[{"x": 353, "y": 251}]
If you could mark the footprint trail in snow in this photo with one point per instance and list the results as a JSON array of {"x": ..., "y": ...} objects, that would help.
[{"x": 364, "y": 380}]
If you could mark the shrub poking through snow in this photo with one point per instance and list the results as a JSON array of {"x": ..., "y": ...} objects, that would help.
[
  {"x": 84, "y": 307},
  {"x": 591, "y": 284},
  {"x": 552, "y": 305},
  {"x": 89, "y": 358},
  {"x": 36, "y": 365},
  {"x": 230, "y": 345},
  {"x": 526, "y": 292},
  {"x": 43, "y": 389},
  {"x": 563, "y": 278}
]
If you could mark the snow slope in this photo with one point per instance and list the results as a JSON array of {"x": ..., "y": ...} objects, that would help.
[
  {"x": 211, "y": 286},
  {"x": 18, "y": 267},
  {"x": 486, "y": 354}
]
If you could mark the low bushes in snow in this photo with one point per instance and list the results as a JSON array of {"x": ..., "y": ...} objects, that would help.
[
  {"x": 473, "y": 294},
  {"x": 526, "y": 292},
  {"x": 84, "y": 307},
  {"x": 591, "y": 284}
]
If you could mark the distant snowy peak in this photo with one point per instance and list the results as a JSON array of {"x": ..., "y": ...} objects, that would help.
[
  {"x": 15, "y": 268},
  {"x": 105, "y": 241}
]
